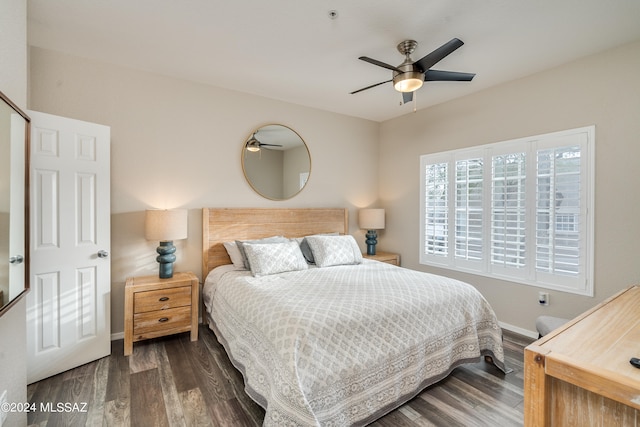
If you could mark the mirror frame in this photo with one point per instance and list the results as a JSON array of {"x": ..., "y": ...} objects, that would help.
[
  {"x": 27, "y": 172},
  {"x": 244, "y": 170}
]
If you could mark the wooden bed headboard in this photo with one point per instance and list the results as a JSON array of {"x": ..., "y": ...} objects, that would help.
[{"x": 221, "y": 225}]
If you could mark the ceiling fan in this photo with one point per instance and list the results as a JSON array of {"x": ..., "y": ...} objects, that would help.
[
  {"x": 409, "y": 76},
  {"x": 254, "y": 145}
]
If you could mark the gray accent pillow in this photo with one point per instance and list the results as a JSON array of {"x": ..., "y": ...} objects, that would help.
[
  {"x": 272, "y": 258},
  {"x": 334, "y": 250},
  {"x": 240, "y": 244},
  {"x": 234, "y": 254}
]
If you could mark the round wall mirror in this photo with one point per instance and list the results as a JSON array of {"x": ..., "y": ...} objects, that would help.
[{"x": 276, "y": 162}]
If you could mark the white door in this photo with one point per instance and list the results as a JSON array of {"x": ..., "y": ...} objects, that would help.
[{"x": 68, "y": 307}]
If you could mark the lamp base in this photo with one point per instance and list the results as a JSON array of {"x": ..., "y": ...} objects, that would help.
[
  {"x": 372, "y": 241},
  {"x": 166, "y": 258}
]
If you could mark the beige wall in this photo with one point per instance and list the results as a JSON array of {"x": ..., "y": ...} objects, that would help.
[
  {"x": 178, "y": 144},
  {"x": 601, "y": 90},
  {"x": 13, "y": 324}
]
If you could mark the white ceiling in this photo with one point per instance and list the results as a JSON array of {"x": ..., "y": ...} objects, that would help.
[{"x": 292, "y": 51}]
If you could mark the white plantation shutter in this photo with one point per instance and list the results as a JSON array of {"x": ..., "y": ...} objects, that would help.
[
  {"x": 469, "y": 209},
  {"x": 436, "y": 209},
  {"x": 508, "y": 210},
  {"x": 558, "y": 211},
  {"x": 518, "y": 210}
]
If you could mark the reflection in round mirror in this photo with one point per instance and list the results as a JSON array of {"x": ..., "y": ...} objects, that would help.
[{"x": 276, "y": 162}]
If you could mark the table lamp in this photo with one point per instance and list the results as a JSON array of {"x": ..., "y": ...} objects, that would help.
[
  {"x": 166, "y": 226},
  {"x": 371, "y": 220}
]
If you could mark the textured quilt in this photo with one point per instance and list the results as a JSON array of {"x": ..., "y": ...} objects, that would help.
[{"x": 343, "y": 345}]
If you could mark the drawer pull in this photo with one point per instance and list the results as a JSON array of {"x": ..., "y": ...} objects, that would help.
[
  {"x": 164, "y": 299},
  {"x": 163, "y": 319}
]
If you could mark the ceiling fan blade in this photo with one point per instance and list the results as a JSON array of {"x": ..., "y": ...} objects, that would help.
[
  {"x": 407, "y": 97},
  {"x": 447, "y": 76},
  {"x": 437, "y": 55},
  {"x": 369, "y": 87},
  {"x": 270, "y": 145},
  {"x": 379, "y": 63}
]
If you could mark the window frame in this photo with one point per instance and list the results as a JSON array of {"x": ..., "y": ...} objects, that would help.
[{"x": 583, "y": 282}]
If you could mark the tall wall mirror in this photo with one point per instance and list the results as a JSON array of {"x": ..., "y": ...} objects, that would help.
[
  {"x": 276, "y": 162},
  {"x": 14, "y": 184}
]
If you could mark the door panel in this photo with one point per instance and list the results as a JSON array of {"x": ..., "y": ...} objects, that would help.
[{"x": 68, "y": 313}]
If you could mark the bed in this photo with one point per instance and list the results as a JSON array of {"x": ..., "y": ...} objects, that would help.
[{"x": 340, "y": 342}]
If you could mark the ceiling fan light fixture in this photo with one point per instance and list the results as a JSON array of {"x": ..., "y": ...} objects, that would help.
[
  {"x": 253, "y": 145},
  {"x": 408, "y": 82}
]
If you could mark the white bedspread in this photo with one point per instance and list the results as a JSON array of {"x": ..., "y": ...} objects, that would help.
[{"x": 343, "y": 345}]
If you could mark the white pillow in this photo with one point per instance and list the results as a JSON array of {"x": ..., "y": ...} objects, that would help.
[
  {"x": 306, "y": 250},
  {"x": 272, "y": 258},
  {"x": 334, "y": 250},
  {"x": 235, "y": 255},
  {"x": 240, "y": 245}
]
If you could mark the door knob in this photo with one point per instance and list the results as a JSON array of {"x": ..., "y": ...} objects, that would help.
[
  {"x": 16, "y": 259},
  {"x": 103, "y": 254}
]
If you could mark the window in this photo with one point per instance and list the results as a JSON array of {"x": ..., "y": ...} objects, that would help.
[{"x": 517, "y": 210}]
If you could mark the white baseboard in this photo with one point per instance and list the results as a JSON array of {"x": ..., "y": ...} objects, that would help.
[
  {"x": 517, "y": 330},
  {"x": 117, "y": 336}
]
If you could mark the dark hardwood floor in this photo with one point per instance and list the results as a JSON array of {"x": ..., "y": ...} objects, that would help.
[{"x": 172, "y": 381}]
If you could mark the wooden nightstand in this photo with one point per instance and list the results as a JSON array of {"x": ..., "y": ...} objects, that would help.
[
  {"x": 388, "y": 257},
  {"x": 155, "y": 307}
]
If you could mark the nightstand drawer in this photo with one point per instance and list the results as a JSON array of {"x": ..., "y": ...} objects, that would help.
[
  {"x": 172, "y": 319},
  {"x": 162, "y": 299}
]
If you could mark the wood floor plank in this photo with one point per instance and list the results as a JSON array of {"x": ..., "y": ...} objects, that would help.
[
  {"x": 175, "y": 410},
  {"x": 97, "y": 401},
  {"x": 70, "y": 405},
  {"x": 492, "y": 389},
  {"x": 210, "y": 378},
  {"x": 143, "y": 357},
  {"x": 176, "y": 382},
  {"x": 394, "y": 419},
  {"x": 493, "y": 410},
  {"x": 460, "y": 401},
  {"x": 80, "y": 371},
  {"x": 147, "y": 402},
  {"x": 46, "y": 390},
  {"x": 195, "y": 409},
  {"x": 183, "y": 374},
  {"x": 492, "y": 386},
  {"x": 117, "y": 413},
  {"x": 119, "y": 374},
  {"x": 229, "y": 413},
  {"x": 435, "y": 412}
]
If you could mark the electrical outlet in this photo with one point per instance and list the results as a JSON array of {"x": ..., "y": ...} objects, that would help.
[
  {"x": 543, "y": 298},
  {"x": 3, "y": 407}
]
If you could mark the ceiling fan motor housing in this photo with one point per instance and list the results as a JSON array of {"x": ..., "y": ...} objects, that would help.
[{"x": 411, "y": 78}]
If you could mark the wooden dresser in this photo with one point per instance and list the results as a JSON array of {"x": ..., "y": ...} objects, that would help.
[
  {"x": 580, "y": 375},
  {"x": 155, "y": 307}
]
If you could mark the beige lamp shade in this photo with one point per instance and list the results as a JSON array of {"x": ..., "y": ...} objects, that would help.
[
  {"x": 165, "y": 225},
  {"x": 371, "y": 219}
]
